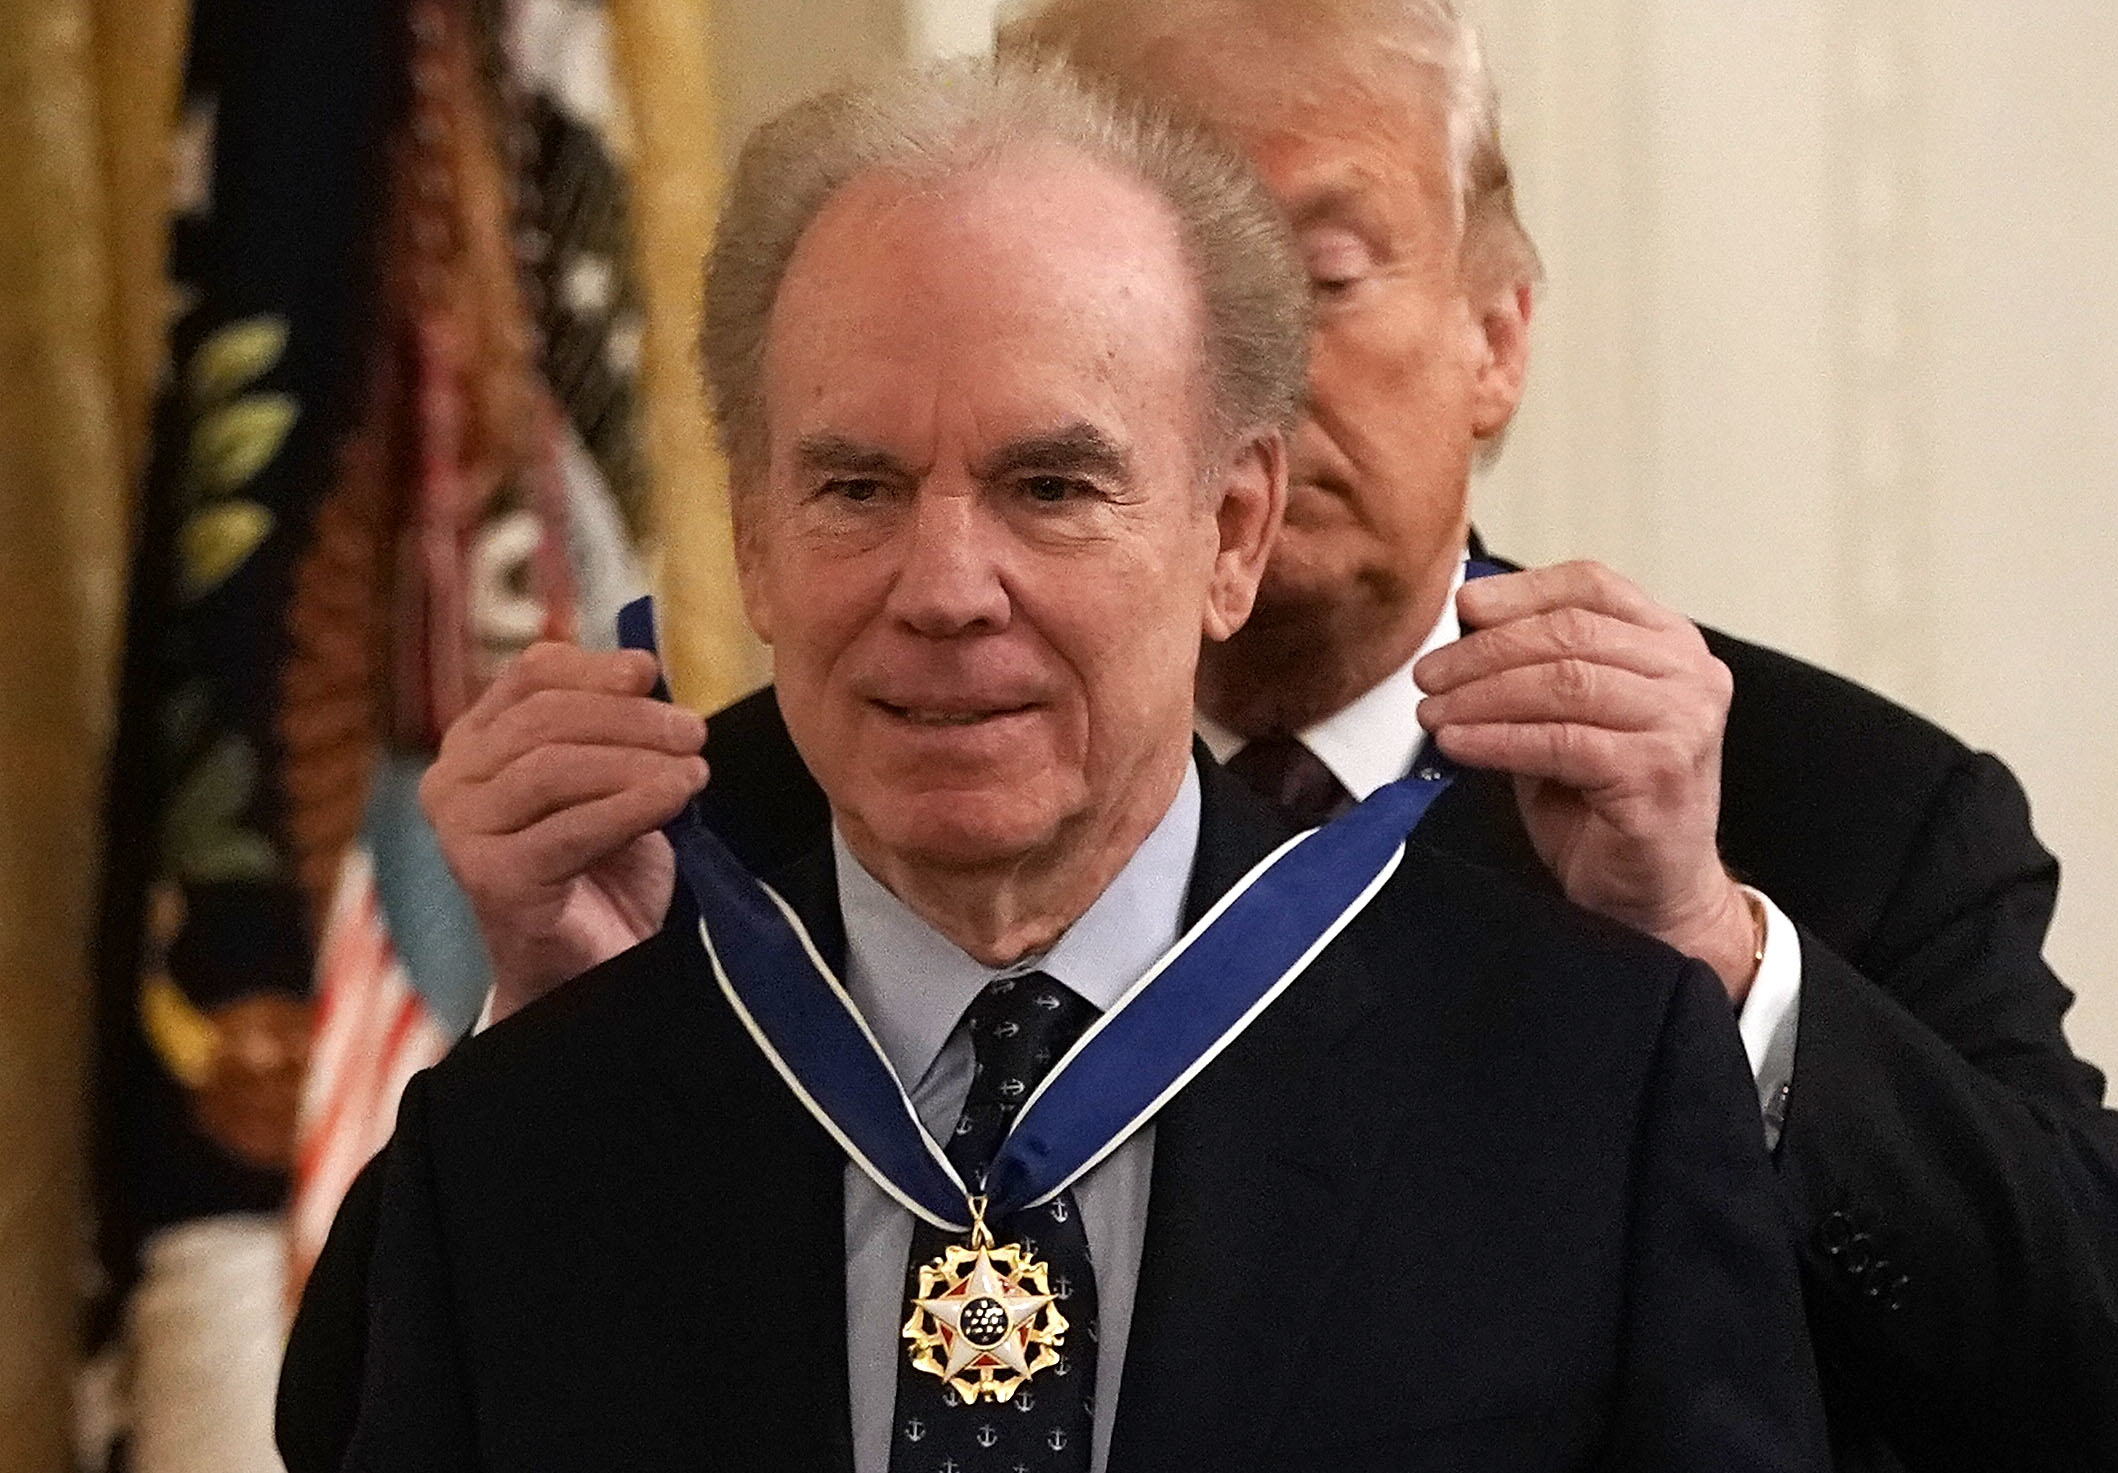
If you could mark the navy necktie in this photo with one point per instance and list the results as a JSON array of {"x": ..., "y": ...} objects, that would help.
[
  {"x": 1292, "y": 779},
  {"x": 1019, "y": 1027}
]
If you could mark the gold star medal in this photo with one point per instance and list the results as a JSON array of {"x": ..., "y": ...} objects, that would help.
[{"x": 984, "y": 1318}]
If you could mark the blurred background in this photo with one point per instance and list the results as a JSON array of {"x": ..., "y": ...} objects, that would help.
[{"x": 1828, "y": 357}]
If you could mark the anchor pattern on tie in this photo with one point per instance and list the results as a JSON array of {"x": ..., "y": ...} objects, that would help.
[{"x": 1017, "y": 1027}]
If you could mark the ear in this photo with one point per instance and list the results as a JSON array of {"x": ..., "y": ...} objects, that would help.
[
  {"x": 1252, "y": 497},
  {"x": 1503, "y": 325}
]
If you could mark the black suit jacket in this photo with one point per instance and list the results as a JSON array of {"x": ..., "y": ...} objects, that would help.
[
  {"x": 1948, "y": 1173},
  {"x": 1484, "y": 1189},
  {"x": 1948, "y": 1169}
]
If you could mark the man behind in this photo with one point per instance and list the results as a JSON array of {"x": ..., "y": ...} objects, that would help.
[
  {"x": 1949, "y": 1174},
  {"x": 1002, "y": 372}
]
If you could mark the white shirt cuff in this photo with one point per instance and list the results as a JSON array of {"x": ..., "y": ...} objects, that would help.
[{"x": 1772, "y": 1013}]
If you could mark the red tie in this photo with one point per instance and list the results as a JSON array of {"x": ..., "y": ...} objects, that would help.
[{"x": 1293, "y": 779}]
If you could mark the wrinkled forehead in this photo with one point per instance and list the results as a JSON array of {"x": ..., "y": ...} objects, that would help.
[{"x": 1041, "y": 278}]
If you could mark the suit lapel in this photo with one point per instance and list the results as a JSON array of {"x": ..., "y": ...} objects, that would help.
[
  {"x": 1261, "y": 1171},
  {"x": 1477, "y": 821},
  {"x": 775, "y": 1238}
]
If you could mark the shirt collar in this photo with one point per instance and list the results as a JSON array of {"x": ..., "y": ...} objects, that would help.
[
  {"x": 1372, "y": 741},
  {"x": 912, "y": 984}
]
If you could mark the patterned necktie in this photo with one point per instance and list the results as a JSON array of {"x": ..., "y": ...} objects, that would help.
[
  {"x": 1019, "y": 1027},
  {"x": 1291, "y": 778}
]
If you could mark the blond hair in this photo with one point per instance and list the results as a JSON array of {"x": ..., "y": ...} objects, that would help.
[{"x": 1116, "y": 39}]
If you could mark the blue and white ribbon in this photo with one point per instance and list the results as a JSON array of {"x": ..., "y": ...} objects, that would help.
[{"x": 1193, "y": 1003}]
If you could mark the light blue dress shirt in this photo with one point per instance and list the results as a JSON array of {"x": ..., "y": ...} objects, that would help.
[{"x": 912, "y": 985}]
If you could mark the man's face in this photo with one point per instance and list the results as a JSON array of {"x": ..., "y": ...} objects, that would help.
[
  {"x": 983, "y": 551},
  {"x": 1403, "y": 378}
]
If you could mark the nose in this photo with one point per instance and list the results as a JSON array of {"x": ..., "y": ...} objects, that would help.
[{"x": 949, "y": 580}]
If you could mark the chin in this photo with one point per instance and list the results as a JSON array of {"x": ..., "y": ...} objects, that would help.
[
  {"x": 980, "y": 815},
  {"x": 1307, "y": 571},
  {"x": 965, "y": 830}
]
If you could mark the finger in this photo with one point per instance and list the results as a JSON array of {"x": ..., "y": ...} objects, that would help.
[
  {"x": 550, "y": 665},
  {"x": 578, "y": 718},
  {"x": 1483, "y": 602},
  {"x": 1574, "y": 691},
  {"x": 553, "y": 778},
  {"x": 1585, "y": 758},
  {"x": 1560, "y": 634},
  {"x": 572, "y": 840}
]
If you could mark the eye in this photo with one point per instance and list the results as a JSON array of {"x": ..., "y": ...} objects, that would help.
[
  {"x": 1336, "y": 259},
  {"x": 853, "y": 488},
  {"x": 1050, "y": 490}
]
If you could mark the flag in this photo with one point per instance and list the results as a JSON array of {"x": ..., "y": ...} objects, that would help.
[
  {"x": 204, "y": 955},
  {"x": 508, "y": 393},
  {"x": 396, "y": 446}
]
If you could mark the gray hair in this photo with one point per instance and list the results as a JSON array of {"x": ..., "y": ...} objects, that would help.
[
  {"x": 1116, "y": 38},
  {"x": 953, "y": 117}
]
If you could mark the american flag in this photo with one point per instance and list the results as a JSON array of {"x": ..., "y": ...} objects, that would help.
[
  {"x": 508, "y": 392},
  {"x": 374, "y": 1031},
  {"x": 397, "y": 443}
]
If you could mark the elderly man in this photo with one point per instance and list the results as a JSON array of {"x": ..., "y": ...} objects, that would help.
[
  {"x": 1950, "y": 1177},
  {"x": 1388, "y": 1164}
]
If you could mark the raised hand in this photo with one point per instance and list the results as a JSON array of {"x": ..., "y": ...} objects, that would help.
[
  {"x": 1608, "y": 710},
  {"x": 548, "y": 795}
]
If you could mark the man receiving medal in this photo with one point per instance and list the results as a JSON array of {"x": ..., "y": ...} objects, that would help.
[{"x": 1062, "y": 1110}]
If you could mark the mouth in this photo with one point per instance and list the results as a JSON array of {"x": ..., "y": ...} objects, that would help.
[{"x": 953, "y": 716}]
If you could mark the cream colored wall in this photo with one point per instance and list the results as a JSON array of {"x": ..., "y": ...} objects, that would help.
[
  {"x": 1829, "y": 357},
  {"x": 948, "y": 27},
  {"x": 2022, "y": 407}
]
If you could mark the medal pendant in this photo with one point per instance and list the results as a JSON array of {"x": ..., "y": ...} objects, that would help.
[{"x": 984, "y": 1318}]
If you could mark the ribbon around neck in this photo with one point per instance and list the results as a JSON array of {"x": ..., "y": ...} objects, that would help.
[{"x": 1195, "y": 1001}]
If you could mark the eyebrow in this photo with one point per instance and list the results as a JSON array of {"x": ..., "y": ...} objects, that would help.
[
  {"x": 836, "y": 453},
  {"x": 1342, "y": 196},
  {"x": 1334, "y": 204},
  {"x": 1078, "y": 448}
]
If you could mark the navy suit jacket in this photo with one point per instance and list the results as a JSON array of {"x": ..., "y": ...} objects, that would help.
[
  {"x": 1948, "y": 1173},
  {"x": 1484, "y": 1189}
]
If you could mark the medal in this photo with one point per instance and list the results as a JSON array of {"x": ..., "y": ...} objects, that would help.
[{"x": 984, "y": 1318}]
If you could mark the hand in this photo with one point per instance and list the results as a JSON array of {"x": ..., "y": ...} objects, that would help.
[
  {"x": 548, "y": 795},
  {"x": 1608, "y": 710}
]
